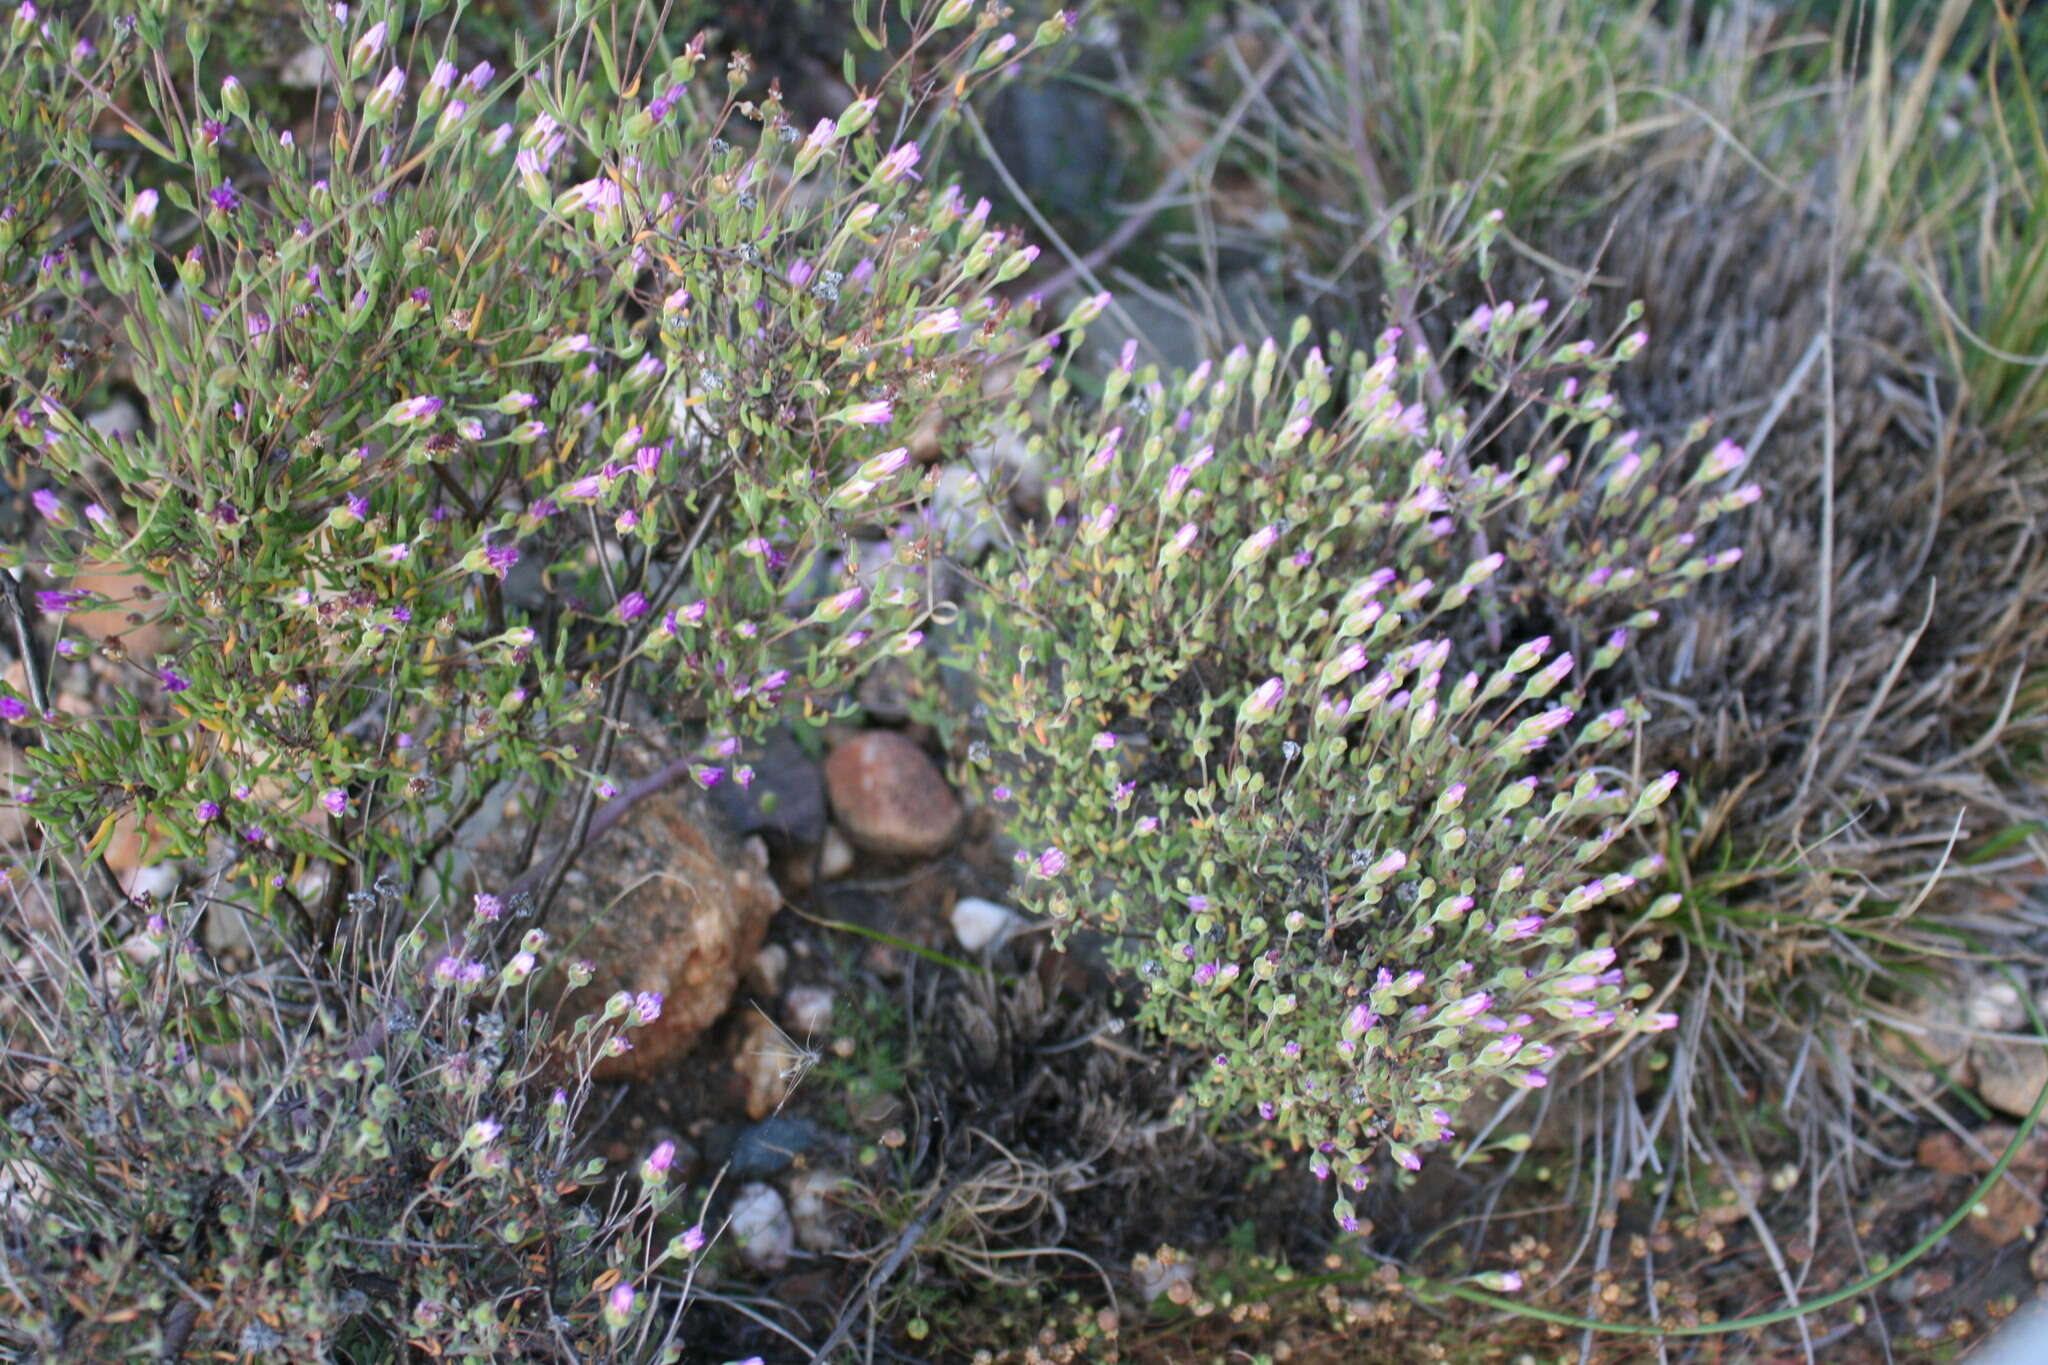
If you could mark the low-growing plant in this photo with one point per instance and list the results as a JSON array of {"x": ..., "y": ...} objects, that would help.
[
  {"x": 594, "y": 315},
  {"x": 1253, "y": 699},
  {"x": 389, "y": 1171}
]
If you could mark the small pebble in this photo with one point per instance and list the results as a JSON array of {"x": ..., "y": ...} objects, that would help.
[
  {"x": 835, "y": 858},
  {"x": 979, "y": 924},
  {"x": 761, "y": 1227},
  {"x": 808, "y": 1010}
]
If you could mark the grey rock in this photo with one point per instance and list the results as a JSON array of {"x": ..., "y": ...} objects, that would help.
[{"x": 768, "y": 1147}]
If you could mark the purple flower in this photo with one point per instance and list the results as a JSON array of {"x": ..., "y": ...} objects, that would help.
[
  {"x": 172, "y": 680},
  {"x": 632, "y": 606},
  {"x": 224, "y": 198},
  {"x": 659, "y": 1160},
  {"x": 898, "y": 164},
  {"x": 365, "y": 49},
  {"x": 12, "y": 709},
  {"x": 413, "y": 410},
  {"x": 1468, "y": 1007},
  {"x": 1051, "y": 863},
  {"x": 487, "y": 906},
  {"x": 335, "y": 800},
  {"x": 1263, "y": 702},
  {"x": 874, "y": 414},
  {"x": 479, "y": 76},
  {"x": 63, "y": 600},
  {"x": 207, "y": 812},
  {"x": 942, "y": 323},
  {"x": 385, "y": 97}
]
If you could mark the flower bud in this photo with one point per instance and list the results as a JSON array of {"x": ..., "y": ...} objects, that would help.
[
  {"x": 1255, "y": 546},
  {"x": 995, "y": 53},
  {"x": 234, "y": 97},
  {"x": 365, "y": 49},
  {"x": 1054, "y": 29},
  {"x": 1088, "y": 309},
  {"x": 385, "y": 97},
  {"x": 438, "y": 85},
  {"x": 1015, "y": 264},
  {"x": 142, "y": 213},
  {"x": 1263, "y": 702},
  {"x": 856, "y": 117}
]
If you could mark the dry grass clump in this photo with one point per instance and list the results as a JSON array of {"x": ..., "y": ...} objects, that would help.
[{"x": 1844, "y": 705}]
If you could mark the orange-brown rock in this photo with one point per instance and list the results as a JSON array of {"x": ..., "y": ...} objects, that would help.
[
  {"x": 888, "y": 796},
  {"x": 666, "y": 901}
]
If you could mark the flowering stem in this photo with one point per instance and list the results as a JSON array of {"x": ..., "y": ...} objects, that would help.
[
  {"x": 587, "y": 803},
  {"x": 25, "y": 642}
]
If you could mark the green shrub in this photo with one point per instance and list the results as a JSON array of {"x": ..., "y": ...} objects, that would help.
[
  {"x": 400, "y": 1168},
  {"x": 597, "y": 313},
  {"x": 1257, "y": 710},
  {"x": 584, "y": 314}
]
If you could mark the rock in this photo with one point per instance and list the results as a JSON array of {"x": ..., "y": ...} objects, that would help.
[
  {"x": 666, "y": 902},
  {"x": 889, "y": 797},
  {"x": 306, "y": 69},
  {"x": 926, "y": 441},
  {"x": 1010, "y": 468},
  {"x": 693, "y": 401},
  {"x": 1054, "y": 137},
  {"x": 980, "y": 924},
  {"x": 2010, "y": 1075},
  {"x": 877, "y": 569},
  {"x": 962, "y": 514},
  {"x": 117, "y": 421},
  {"x": 24, "y": 1188},
  {"x": 811, "y": 1210},
  {"x": 1997, "y": 1007},
  {"x": 785, "y": 797},
  {"x": 769, "y": 1063},
  {"x": 761, "y": 1228},
  {"x": 1938, "y": 1028},
  {"x": 1947, "y": 1154},
  {"x": 2005, "y": 1214},
  {"x": 808, "y": 1010},
  {"x": 764, "y": 977},
  {"x": 887, "y": 690},
  {"x": 835, "y": 858},
  {"x": 768, "y": 1147},
  {"x": 871, "y": 1111}
]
